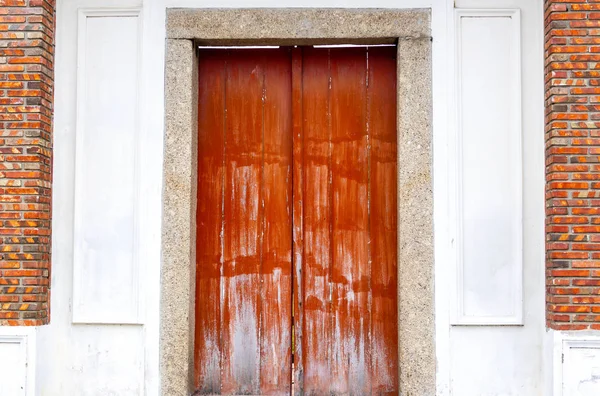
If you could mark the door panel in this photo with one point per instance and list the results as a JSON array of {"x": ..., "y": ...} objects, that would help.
[
  {"x": 276, "y": 312},
  {"x": 314, "y": 341},
  {"x": 244, "y": 223},
  {"x": 209, "y": 222},
  {"x": 381, "y": 102},
  {"x": 333, "y": 112},
  {"x": 349, "y": 205},
  {"x": 243, "y": 219},
  {"x": 349, "y": 289}
]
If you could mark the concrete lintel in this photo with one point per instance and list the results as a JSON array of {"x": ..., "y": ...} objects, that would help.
[{"x": 300, "y": 26}]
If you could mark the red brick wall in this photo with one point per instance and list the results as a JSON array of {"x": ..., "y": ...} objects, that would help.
[
  {"x": 573, "y": 164},
  {"x": 26, "y": 73}
]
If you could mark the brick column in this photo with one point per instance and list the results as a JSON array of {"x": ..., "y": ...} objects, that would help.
[
  {"x": 572, "y": 29},
  {"x": 26, "y": 83}
]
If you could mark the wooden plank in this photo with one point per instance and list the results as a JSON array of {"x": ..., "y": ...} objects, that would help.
[
  {"x": 242, "y": 225},
  {"x": 298, "y": 216},
  {"x": 382, "y": 120},
  {"x": 211, "y": 98},
  {"x": 316, "y": 335},
  {"x": 350, "y": 271},
  {"x": 276, "y": 293},
  {"x": 337, "y": 114}
]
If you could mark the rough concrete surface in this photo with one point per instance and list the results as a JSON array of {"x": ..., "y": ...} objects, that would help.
[
  {"x": 415, "y": 220},
  {"x": 178, "y": 236},
  {"x": 296, "y": 26}
]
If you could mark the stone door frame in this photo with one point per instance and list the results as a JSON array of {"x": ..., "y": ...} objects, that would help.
[{"x": 411, "y": 31}]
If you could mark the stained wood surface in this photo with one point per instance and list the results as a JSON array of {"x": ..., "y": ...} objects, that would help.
[
  {"x": 297, "y": 222},
  {"x": 298, "y": 218},
  {"x": 209, "y": 222},
  {"x": 244, "y": 294},
  {"x": 382, "y": 120},
  {"x": 316, "y": 338},
  {"x": 348, "y": 343},
  {"x": 276, "y": 313},
  {"x": 350, "y": 267}
]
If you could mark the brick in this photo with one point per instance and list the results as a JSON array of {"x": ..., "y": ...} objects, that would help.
[
  {"x": 587, "y": 318},
  {"x": 558, "y": 220},
  {"x": 571, "y": 186},
  {"x": 585, "y": 246},
  {"x": 583, "y": 24},
  {"x": 568, "y": 327},
  {"x": 12, "y": 3},
  {"x": 12, "y": 68},
  {"x": 568, "y": 16},
  {"x": 566, "y": 255},
  {"x": 586, "y": 300},
  {"x": 585, "y": 7},
  {"x": 586, "y": 282},
  {"x": 570, "y": 308},
  {"x": 570, "y": 273}
]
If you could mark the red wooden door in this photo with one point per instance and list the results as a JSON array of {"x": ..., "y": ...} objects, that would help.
[
  {"x": 297, "y": 158},
  {"x": 244, "y": 295}
]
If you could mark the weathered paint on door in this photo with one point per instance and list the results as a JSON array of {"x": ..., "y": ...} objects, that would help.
[
  {"x": 346, "y": 162},
  {"x": 244, "y": 295},
  {"x": 297, "y": 158}
]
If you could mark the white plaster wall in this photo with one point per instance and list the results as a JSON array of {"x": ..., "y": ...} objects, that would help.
[
  {"x": 104, "y": 358},
  {"x": 510, "y": 360},
  {"x": 117, "y": 359}
]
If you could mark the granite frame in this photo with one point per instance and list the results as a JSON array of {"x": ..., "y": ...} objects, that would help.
[{"x": 410, "y": 30}]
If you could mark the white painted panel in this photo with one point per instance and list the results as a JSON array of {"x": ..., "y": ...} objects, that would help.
[
  {"x": 489, "y": 169},
  {"x": 106, "y": 280},
  {"x": 17, "y": 361},
  {"x": 581, "y": 367},
  {"x": 12, "y": 366}
]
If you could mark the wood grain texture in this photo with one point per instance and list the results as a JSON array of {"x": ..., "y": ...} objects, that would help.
[
  {"x": 381, "y": 102},
  {"x": 316, "y": 335},
  {"x": 350, "y": 270},
  {"x": 209, "y": 221},
  {"x": 244, "y": 223},
  {"x": 349, "y": 340},
  {"x": 276, "y": 293},
  {"x": 297, "y": 218}
]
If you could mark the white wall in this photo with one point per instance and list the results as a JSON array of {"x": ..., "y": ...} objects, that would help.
[
  {"x": 96, "y": 342},
  {"x": 484, "y": 357},
  {"x": 119, "y": 354}
]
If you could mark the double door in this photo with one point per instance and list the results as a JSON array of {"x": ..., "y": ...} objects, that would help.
[{"x": 296, "y": 222}]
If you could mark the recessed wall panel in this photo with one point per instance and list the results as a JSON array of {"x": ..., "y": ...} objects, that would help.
[
  {"x": 105, "y": 267},
  {"x": 489, "y": 168}
]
